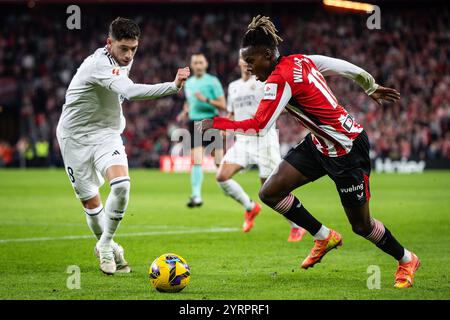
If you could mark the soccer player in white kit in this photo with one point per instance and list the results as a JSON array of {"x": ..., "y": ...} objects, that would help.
[
  {"x": 244, "y": 96},
  {"x": 89, "y": 134}
]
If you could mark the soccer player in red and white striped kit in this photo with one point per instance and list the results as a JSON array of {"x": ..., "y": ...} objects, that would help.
[{"x": 337, "y": 145}]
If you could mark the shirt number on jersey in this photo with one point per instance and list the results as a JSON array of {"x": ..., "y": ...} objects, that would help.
[
  {"x": 70, "y": 173},
  {"x": 317, "y": 79}
]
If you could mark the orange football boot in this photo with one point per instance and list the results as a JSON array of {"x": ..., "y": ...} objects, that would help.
[
  {"x": 404, "y": 277},
  {"x": 321, "y": 247},
  {"x": 296, "y": 234},
  {"x": 250, "y": 217}
]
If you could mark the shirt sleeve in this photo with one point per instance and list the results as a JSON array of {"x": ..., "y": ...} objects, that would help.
[
  {"x": 217, "y": 89},
  {"x": 115, "y": 79},
  {"x": 277, "y": 93},
  {"x": 332, "y": 66}
]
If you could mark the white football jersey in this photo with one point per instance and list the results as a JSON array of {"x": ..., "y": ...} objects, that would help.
[
  {"x": 92, "y": 112},
  {"x": 243, "y": 100}
]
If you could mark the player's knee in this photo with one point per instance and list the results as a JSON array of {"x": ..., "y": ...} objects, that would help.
[
  {"x": 92, "y": 203},
  {"x": 222, "y": 177},
  {"x": 268, "y": 196},
  {"x": 362, "y": 229}
]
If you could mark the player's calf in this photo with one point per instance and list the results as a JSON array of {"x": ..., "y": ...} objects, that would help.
[
  {"x": 378, "y": 234},
  {"x": 234, "y": 190},
  {"x": 95, "y": 219},
  {"x": 115, "y": 207},
  {"x": 292, "y": 209},
  {"x": 373, "y": 230},
  {"x": 383, "y": 239}
]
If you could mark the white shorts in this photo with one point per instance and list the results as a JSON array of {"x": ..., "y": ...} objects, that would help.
[
  {"x": 86, "y": 165},
  {"x": 265, "y": 153}
]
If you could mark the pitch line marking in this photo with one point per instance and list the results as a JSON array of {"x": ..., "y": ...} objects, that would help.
[
  {"x": 130, "y": 226},
  {"x": 130, "y": 234}
]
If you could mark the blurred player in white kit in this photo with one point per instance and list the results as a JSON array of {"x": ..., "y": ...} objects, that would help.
[
  {"x": 244, "y": 96},
  {"x": 89, "y": 134}
]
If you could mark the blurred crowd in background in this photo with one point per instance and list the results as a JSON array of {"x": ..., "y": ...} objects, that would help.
[{"x": 38, "y": 57}]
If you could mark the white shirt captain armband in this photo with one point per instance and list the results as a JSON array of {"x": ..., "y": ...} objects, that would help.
[{"x": 270, "y": 91}]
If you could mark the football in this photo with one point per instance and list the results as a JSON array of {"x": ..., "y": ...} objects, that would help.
[{"x": 169, "y": 273}]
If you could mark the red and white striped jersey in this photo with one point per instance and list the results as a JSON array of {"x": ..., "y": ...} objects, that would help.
[{"x": 298, "y": 85}]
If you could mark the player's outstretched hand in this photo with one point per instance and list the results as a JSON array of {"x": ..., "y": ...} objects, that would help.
[
  {"x": 181, "y": 77},
  {"x": 383, "y": 93},
  {"x": 204, "y": 125}
]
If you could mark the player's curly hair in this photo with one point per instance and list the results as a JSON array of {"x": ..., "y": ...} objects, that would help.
[
  {"x": 122, "y": 28},
  {"x": 261, "y": 32}
]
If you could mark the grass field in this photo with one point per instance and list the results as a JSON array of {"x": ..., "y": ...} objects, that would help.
[{"x": 38, "y": 209}]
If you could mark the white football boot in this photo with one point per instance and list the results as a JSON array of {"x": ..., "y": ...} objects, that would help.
[
  {"x": 119, "y": 258},
  {"x": 107, "y": 261}
]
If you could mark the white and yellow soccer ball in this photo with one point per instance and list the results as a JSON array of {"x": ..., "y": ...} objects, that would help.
[{"x": 169, "y": 273}]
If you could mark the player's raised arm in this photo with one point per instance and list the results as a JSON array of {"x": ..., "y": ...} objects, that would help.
[
  {"x": 331, "y": 66},
  {"x": 277, "y": 93},
  {"x": 111, "y": 78}
]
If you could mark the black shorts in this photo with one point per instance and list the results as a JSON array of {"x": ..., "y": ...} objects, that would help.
[
  {"x": 350, "y": 172},
  {"x": 197, "y": 138}
]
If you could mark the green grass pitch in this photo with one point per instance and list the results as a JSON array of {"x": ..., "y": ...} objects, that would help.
[{"x": 43, "y": 231}]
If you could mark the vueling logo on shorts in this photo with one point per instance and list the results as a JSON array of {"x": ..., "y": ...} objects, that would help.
[{"x": 353, "y": 188}]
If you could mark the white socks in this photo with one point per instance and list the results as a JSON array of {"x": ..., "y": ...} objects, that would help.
[
  {"x": 235, "y": 191},
  {"x": 115, "y": 207},
  {"x": 94, "y": 219},
  {"x": 406, "y": 257},
  {"x": 322, "y": 234}
]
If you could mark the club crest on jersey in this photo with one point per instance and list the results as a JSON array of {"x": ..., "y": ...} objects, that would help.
[
  {"x": 270, "y": 91},
  {"x": 347, "y": 124},
  {"x": 116, "y": 71}
]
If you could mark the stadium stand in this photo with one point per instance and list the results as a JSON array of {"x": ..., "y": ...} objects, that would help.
[{"x": 39, "y": 55}]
